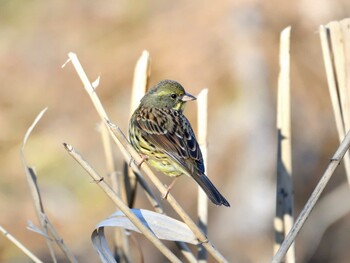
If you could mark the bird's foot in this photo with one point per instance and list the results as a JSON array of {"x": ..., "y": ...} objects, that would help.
[
  {"x": 143, "y": 159},
  {"x": 202, "y": 242},
  {"x": 165, "y": 196},
  {"x": 169, "y": 188}
]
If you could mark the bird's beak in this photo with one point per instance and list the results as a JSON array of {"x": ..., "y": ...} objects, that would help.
[{"x": 188, "y": 97}]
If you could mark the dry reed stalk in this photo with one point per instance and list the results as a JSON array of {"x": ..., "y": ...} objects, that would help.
[
  {"x": 140, "y": 82},
  {"x": 283, "y": 221},
  {"x": 202, "y": 210},
  {"x": 121, "y": 242}
]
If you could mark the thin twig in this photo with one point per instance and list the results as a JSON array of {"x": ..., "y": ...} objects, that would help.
[
  {"x": 20, "y": 245},
  {"x": 304, "y": 214}
]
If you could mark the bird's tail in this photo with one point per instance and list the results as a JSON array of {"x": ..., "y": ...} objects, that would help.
[{"x": 211, "y": 191}]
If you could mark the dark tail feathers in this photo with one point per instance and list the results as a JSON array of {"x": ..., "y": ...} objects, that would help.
[{"x": 211, "y": 191}]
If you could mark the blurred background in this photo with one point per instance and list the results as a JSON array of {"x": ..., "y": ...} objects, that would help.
[{"x": 230, "y": 47}]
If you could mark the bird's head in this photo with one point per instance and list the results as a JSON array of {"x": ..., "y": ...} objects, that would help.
[{"x": 167, "y": 94}]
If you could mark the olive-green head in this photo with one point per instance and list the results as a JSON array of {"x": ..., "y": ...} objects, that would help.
[{"x": 167, "y": 94}]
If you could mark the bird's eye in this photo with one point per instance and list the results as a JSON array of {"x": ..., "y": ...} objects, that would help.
[{"x": 173, "y": 95}]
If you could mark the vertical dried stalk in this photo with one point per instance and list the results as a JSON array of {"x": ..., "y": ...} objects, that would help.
[
  {"x": 126, "y": 183},
  {"x": 121, "y": 242},
  {"x": 335, "y": 41},
  {"x": 202, "y": 104},
  {"x": 284, "y": 192},
  {"x": 139, "y": 86},
  {"x": 140, "y": 82}
]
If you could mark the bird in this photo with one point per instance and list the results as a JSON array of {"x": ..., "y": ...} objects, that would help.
[{"x": 164, "y": 138}]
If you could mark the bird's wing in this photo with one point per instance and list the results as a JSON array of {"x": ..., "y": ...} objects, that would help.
[{"x": 172, "y": 133}]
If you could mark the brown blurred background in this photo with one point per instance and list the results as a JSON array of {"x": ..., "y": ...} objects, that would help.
[{"x": 230, "y": 47}]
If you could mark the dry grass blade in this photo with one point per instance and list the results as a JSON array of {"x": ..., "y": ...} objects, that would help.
[
  {"x": 47, "y": 227},
  {"x": 121, "y": 205},
  {"x": 132, "y": 157},
  {"x": 99, "y": 242},
  {"x": 162, "y": 226},
  {"x": 20, "y": 245},
  {"x": 34, "y": 188},
  {"x": 304, "y": 214},
  {"x": 284, "y": 191},
  {"x": 202, "y": 106}
]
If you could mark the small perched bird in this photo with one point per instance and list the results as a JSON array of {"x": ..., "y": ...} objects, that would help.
[{"x": 163, "y": 136}]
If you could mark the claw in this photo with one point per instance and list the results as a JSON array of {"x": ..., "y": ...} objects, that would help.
[
  {"x": 169, "y": 188},
  {"x": 203, "y": 242},
  {"x": 132, "y": 160},
  {"x": 144, "y": 158},
  {"x": 165, "y": 196}
]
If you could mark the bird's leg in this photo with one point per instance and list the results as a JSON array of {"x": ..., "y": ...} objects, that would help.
[
  {"x": 143, "y": 159},
  {"x": 169, "y": 188}
]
